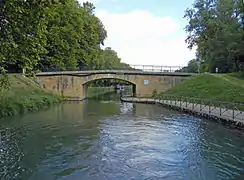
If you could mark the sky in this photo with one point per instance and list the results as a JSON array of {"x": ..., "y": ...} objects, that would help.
[{"x": 146, "y": 32}]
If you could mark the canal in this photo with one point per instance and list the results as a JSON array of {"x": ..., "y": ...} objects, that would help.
[{"x": 104, "y": 139}]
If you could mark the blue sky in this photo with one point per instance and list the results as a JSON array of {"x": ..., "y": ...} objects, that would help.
[
  {"x": 174, "y": 8},
  {"x": 146, "y": 31}
]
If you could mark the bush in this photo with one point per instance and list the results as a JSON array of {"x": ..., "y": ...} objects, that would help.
[
  {"x": 4, "y": 82},
  {"x": 22, "y": 96},
  {"x": 32, "y": 103}
]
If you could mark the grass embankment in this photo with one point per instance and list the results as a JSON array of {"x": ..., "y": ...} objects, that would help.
[
  {"x": 215, "y": 87},
  {"x": 24, "y": 96}
]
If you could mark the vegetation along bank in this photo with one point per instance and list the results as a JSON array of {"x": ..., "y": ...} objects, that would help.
[
  {"x": 216, "y": 87},
  {"x": 220, "y": 90},
  {"x": 19, "y": 94}
]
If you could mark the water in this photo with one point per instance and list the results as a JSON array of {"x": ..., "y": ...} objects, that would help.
[{"x": 110, "y": 140}]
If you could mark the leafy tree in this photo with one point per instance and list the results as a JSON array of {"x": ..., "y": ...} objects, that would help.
[
  {"x": 23, "y": 28},
  {"x": 216, "y": 28},
  {"x": 112, "y": 61},
  {"x": 95, "y": 34},
  {"x": 53, "y": 34},
  {"x": 65, "y": 28}
]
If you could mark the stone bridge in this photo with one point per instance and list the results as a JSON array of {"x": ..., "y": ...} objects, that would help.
[{"x": 74, "y": 84}]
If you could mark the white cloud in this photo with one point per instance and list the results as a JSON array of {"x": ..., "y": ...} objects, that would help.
[{"x": 139, "y": 37}]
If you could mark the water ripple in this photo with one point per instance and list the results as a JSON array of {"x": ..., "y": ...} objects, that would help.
[{"x": 137, "y": 142}]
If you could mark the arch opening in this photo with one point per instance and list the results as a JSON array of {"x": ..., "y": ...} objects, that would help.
[{"x": 103, "y": 85}]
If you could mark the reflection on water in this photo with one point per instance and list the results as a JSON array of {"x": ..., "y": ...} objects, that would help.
[
  {"x": 109, "y": 96},
  {"x": 113, "y": 140}
]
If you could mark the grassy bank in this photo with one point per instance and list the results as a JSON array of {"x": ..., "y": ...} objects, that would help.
[
  {"x": 24, "y": 96},
  {"x": 219, "y": 87}
]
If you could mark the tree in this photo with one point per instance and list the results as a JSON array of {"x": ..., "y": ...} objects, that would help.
[
  {"x": 23, "y": 28},
  {"x": 74, "y": 37},
  {"x": 95, "y": 34},
  {"x": 112, "y": 61},
  {"x": 47, "y": 34},
  {"x": 216, "y": 28},
  {"x": 65, "y": 29}
]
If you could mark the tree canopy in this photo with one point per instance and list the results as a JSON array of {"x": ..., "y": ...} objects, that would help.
[
  {"x": 216, "y": 28},
  {"x": 53, "y": 35}
]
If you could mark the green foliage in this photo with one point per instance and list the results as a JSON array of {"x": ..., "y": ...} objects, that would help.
[
  {"x": 23, "y": 28},
  {"x": 4, "y": 80},
  {"x": 47, "y": 34},
  {"x": 63, "y": 36},
  {"x": 111, "y": 60},
  {"x": 24, "y": 96},
  {"x": 220, "y": 87},
  {"x": 239, "y": 74},
  {"x": 216, "y": 29},
  {"x": 19, "y": 105},
  {"x": 4, "y": 83}
]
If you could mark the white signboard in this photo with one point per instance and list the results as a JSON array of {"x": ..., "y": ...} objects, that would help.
[{"x": 146, "y": 82}]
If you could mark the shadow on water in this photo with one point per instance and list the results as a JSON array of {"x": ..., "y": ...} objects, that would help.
[{"x": 106, "y": 139}]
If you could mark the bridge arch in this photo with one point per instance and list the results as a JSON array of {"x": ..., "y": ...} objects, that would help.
[{"x": 93, "y": 78}]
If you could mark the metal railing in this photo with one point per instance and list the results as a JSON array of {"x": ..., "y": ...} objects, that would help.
[
  {"x": 217, "y": 103},
  {"x": 228, "y": 111},
  {"x": 156, "y": 68},
  {"x": 144, "y": 68}
]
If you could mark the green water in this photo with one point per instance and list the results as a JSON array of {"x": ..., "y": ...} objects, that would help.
[{"x": 105, "y": 139}]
